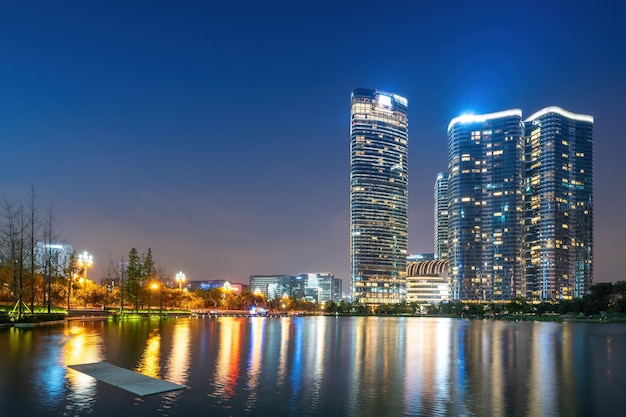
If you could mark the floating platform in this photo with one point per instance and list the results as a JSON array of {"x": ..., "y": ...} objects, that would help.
[{"x": 126, "y": 379}]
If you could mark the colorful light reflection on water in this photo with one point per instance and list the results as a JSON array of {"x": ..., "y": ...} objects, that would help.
[{"x": 347, "y": 366}]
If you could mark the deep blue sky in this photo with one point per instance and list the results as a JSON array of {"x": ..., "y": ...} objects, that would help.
[{"x": 218, "y": 134}]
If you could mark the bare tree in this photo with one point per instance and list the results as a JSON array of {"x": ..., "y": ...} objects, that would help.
[
  {"x": 51, "y": 266},
  {"x": 33, "y": 215},
  {"x": 10, "y": 238},
  {"x": 13, "y": 230}
]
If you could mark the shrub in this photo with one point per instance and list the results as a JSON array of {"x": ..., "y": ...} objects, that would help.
[{"x": 37, "y": 318}]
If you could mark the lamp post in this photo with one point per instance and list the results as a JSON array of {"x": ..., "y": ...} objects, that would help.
[
  {"x": 226, "y": 290},
  {"x": 186, "y": 297},
  {"x": 160, "y": 300},
  {"x": 72, "y": 277},
  {"x": 85, "y": 260},
  {"x": 153, "y": 286},
  {"x": 180, "y": 278}
]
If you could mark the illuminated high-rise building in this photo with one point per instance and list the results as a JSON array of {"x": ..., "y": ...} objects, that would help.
[
  {"x": 53, "y": 258},
  {"x": 378, "y": 196},
  {"x": 485, "y": 206},
  {"x": 441, "y": 216},
  {"x": 558, "y": 204},
  {"x": 318, "y": 287}
]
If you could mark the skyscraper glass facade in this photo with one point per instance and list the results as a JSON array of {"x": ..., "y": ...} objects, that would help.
[
  {"x": 558, "y": 204},
  {"x": 441, "y": 216},
  {"x": 378, "y": 196},
  {"x": 485, "y": 206}
]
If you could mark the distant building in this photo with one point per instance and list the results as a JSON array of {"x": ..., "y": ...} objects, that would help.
[
  {"x": 485, "y": 206},
  {"x": 318, "y": 287},
  {"x": 272, "y": 286},
  {"x": 54, "y": 255},
  {"x": 558, "y": 204},
  {"x": 337, "y": 290},
  {"x": 520, "y": 205},
  {"x": 207, "y": 285},
  {"x": 378, "y": 196},
  {"x": 298, "y": 287},
  {"x": 121, "y": 269},
  {"x": 441, "y": 216},
  {"x": 427, "y": 281}
]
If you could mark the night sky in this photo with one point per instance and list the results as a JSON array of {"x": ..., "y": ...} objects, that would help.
[{"x": 218, "y": 134}]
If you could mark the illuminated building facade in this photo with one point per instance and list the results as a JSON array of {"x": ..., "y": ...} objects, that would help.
[
  {"x": 337, "y": 290},
  {"x": 558, "y": 204},
  {"x": 485, "y": 206},
  {"x": 441, "y": 216},
  {"x": 378, "y": 196},
  {"x": 272, "y": 286},
  {"x": 318, "y": 287},
  {"x": 427, "y": 281},
  {"x": 52, "y": 257}
]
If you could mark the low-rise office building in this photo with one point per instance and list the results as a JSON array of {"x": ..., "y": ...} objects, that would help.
[{"x": 427, "y": 281}]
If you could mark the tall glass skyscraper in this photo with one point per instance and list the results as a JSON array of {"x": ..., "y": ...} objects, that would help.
[
  {"x": 441, "y": 216},
  {"x": 558, "y": 204},
  {"x": 378, "y": 196},
  {"x": 485, "y": 206}
]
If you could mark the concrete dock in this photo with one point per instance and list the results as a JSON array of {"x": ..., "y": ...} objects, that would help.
[{"x": 126, "y": 379}]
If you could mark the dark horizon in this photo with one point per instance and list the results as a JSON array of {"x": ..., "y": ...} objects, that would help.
[{"x": 218, "y": 135}]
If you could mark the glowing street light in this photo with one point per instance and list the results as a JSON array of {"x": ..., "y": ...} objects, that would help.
[
  {"x": 153, "y": 286},
  {"x": 159, "y": 286},
  {"x": 85, "y": 260},
  {"x": 226, "y": 290},
  {"x": 180, "y": 278}
]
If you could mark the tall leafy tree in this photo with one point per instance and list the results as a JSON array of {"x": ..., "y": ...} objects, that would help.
[
  {"x": 134, "y": 277},
  {"x": 149, "y": 272},
  {"x": 70, "y": 273},
  {"x": 50, "y": 268}
]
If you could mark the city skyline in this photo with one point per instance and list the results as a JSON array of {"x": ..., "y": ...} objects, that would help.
[{"x": 217, "y": 135}]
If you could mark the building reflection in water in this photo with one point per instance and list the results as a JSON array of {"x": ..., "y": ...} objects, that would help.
[
  {"x": 296, "y": 365},
  {"x": 81, "y": 346},
  {"x": 427, "y": 366},
  {"x": 255, "y": 360},
  {"x": 314, "y": 355},
  {"x": 227, "y": 364},
  {"x": 149, "y": 364},
  {"x": 285, "y": 328},
  {"x": 178, "y": 360},
  {"x": 354, "y": 341},
  {"x": 399, "y": 366},
  {"x": 348, "y": 366},
  {"x": 541, "y": 382}
]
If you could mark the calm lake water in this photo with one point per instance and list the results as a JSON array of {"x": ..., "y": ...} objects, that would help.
[{"x": 320, "y": 366}]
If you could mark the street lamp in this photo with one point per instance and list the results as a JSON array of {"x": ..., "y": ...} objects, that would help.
[
  {"x": 153, "y": 286},
  {"x": 180, "y": 278},
  {"x": 72, "y": 277},
  {"x": 186, "y": 292},
  {"x": 85, "y": 260}
]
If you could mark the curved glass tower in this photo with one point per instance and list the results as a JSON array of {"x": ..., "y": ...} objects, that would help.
[
  {"x": 485, "y": 206},
  {"x": 558, "y": 204},
  {"x": 378, "y": 196}
]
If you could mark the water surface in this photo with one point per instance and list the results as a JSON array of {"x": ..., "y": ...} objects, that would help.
[{"x": 320, "y": 366}]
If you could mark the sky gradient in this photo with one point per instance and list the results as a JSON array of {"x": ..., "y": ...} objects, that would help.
[{"x": 218, "y": 135}]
